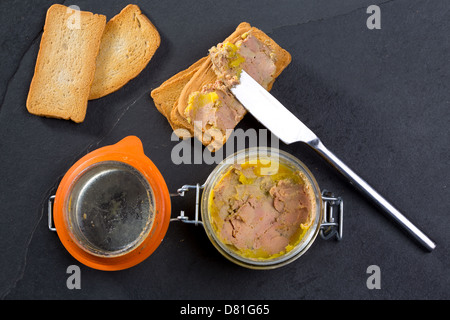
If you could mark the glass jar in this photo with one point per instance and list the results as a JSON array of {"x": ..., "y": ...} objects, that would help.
[
  {"x": 327, "y": 210},
  {"x": 272, "y": 156}
]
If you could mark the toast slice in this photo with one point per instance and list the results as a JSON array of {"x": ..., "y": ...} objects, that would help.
[
  {"x": 172, "y": 97},
  {"x": 206, "y": 76},
  {"x": 129, "y": 42},
  {"x": 65, "y": 64},
  {"x": 166, "y": 96}
]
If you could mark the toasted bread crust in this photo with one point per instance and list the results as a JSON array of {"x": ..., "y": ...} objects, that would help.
[
  {"x": 128, "y": 44},
  {"x": 62, "y": 80},
  {"x": 168, "y": 93}
]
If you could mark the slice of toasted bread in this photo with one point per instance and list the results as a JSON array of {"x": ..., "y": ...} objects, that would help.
[
  {"x": 183, "y": 84},
  {"x": 206, "y": 76},
  {"x": 167, "y": 95},
  {"x": 65, "y": 64},
  {"x": 128, "y": 44}
]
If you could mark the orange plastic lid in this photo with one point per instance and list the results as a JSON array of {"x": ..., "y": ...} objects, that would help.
[{"x": 112, "y": 208}]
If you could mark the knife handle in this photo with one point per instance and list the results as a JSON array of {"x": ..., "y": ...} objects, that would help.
[{"x": 373, "y": 195}]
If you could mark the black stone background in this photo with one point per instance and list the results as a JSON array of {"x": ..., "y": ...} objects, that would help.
[{"x": 379, "y": 99}]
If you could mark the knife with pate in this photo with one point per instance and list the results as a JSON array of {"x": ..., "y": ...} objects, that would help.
[{"x": 289, "y": 129}]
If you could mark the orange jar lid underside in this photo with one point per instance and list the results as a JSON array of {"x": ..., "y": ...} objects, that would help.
[{"x": 128, "y": 151}]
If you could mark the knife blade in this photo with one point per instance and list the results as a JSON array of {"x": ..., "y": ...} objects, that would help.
[{"x": 289, "y": 129}]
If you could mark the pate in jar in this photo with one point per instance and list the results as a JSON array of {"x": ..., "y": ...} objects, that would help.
[{"x": 261, "y": 208}]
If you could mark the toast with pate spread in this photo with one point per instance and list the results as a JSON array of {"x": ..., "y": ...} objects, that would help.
[
  {"x": 129, "y": 42},
  {"x": 65, "y": 64},
  {"x": 205, "y": 106}
]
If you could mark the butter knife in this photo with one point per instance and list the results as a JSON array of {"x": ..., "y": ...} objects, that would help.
[{"x": 289, "y": 129}]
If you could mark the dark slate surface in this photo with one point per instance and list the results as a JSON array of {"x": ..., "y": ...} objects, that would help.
[{"x": 378, "y": 98}]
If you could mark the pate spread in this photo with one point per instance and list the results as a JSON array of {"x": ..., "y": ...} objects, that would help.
[
  {"x": 214, "y": 110},
  {"x": 262, "y": 216},
  {"x": 249, "y": 54}
]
